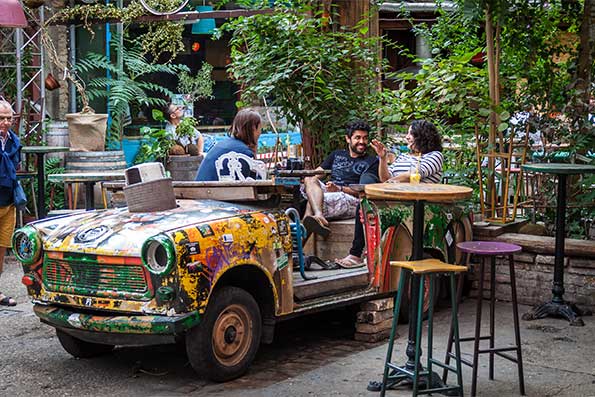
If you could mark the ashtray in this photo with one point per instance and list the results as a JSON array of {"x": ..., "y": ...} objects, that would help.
[{"x": 481, "y": 224}]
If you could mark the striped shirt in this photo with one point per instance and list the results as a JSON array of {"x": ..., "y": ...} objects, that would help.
[{"x": 430, "y": 166}]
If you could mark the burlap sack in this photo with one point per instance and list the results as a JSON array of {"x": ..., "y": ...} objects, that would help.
[{"x": 87, "y": 130}]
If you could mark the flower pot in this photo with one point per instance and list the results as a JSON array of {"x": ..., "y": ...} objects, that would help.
[
  {"x": 87, "y": 130},
  {"x": 51, "y": 83},
  {"x": 33, "y": 3},
  {"x": 58, "y": 3}
]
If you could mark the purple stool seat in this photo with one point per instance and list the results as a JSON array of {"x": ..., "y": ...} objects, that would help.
[{"x": 488, "y": 248}]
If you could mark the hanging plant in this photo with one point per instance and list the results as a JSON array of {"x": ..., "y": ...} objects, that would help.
[{"x": 161, "y": 37}]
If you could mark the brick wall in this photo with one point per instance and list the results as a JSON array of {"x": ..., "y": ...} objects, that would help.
[
  {"x": 57, "y": 100},
  {"x": 534, "y": 271}
]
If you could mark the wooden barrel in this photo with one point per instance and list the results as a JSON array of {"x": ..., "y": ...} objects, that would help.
[
  {"x": 106, "y": 161},
  {"x": 57, "y": 135},
  {"x": 183, "y": 168},
  {"x": 95, "y": 161}
]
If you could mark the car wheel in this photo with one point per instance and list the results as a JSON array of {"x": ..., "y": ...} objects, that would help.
[
  {"x": 80, "y": 348},
  {"x": 224, "y": 344}
]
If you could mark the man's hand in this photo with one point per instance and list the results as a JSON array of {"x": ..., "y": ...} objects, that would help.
[
  {"x": 379, "y": 148},
  {"x": 331, "y": 187}
]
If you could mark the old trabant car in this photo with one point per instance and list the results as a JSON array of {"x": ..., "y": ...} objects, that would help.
[{"x": 216, "y": 274}]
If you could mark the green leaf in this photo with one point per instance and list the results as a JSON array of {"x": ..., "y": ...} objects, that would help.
[
  {"x": 484, "y": 112},
  {"x": 502, "y": 127},
  {"x": 157, "y": 115}
]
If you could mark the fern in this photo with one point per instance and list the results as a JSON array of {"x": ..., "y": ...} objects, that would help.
[{"x": 128, "y": 89}]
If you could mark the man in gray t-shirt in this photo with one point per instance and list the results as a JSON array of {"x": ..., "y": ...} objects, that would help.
[{"x": 335, "y": 199}]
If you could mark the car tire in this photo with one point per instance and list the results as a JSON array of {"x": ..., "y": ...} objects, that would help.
[
  {"x": 224, "y": 344},
  {"x": 79, "y": 348}
]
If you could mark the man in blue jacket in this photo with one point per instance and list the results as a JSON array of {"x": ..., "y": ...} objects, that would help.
[{"x": 10, "y": 158}]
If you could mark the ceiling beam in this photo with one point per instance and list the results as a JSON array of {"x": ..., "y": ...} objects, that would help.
[{"x": 189, "y": 16}]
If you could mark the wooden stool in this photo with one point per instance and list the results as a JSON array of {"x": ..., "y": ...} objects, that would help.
[
  {"x": 491, "y": 249},
  {"x": 424, "y": 268}
]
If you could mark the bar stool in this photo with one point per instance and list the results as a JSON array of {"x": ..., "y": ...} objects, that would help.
[
  {"x": 490, "y": 249},
  {"x": 424, "y": 268}
]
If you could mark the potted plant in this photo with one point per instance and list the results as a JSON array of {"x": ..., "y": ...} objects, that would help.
[{"x": 181, "y": 162}]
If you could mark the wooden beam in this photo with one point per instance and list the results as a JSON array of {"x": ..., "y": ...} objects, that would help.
[
  {"x": 189, "y": 16},
  {"x": 546, "y": 245}
]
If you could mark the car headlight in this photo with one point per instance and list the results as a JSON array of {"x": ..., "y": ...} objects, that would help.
[
  {"x": 158, "y": 254},
  {"x": 26, "y": 245}
]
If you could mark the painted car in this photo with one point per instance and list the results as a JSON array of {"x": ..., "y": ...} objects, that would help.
[{"x": 105, "y": 278}]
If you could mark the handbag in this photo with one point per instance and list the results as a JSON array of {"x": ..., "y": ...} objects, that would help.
[{"x": 19, "y": 197}]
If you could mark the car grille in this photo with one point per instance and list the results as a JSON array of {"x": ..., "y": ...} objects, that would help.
[{"x": 95, "y": 279}]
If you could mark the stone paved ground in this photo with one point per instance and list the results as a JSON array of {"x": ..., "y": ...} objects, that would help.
[{"x": 310, "y": 357}]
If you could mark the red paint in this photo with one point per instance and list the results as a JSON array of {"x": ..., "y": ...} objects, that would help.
[{"x": 28, "y": 280}]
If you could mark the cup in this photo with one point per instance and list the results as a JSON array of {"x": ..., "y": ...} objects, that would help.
[{"x": 414, "y": 176}]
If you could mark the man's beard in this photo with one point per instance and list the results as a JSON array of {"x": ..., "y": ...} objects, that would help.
[{"x": 354, "y": 149}]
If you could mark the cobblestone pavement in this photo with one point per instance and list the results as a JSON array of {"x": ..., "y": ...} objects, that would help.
[{"x": 313, "y": 356}]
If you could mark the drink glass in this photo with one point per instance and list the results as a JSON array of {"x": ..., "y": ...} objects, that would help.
[{"x": 414, "y": 176}]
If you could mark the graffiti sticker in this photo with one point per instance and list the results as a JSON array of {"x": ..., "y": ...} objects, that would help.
[
  {"x": 193, "y": 248},
  {"x": 89, "y": 235},
  {"x": 282, "y": 262},
  {"x": 205, "y": 230}
]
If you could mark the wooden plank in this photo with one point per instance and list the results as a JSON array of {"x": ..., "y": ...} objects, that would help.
[
  {"x": 546, "y": 245},
  {"x": 374, "y": 328},
  {"x": 217, "y": 193},
  {"x": 189, "y": 16},
  {"x": 323, "y": 286},
  {"x": 378, "y": 304},
  {"x": 480, "y": 232}
]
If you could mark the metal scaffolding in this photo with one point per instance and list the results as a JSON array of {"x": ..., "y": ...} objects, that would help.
[{"x": 21, "y": 53}]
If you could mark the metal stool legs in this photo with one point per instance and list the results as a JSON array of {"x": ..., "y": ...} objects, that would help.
[
  {"x": 477, "y": 338},
  {"x": 517, "y": 328},
  {"x": 400, "y": 373}
]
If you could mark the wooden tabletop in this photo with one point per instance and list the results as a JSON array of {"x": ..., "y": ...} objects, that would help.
[
  {"x": 86, "y": 177},
  {"x": 431, "y": 192},
  {"x": 302, "y": 173},
  {"x": 44, "y": 149},
  {"x": 560, "y": 168}
]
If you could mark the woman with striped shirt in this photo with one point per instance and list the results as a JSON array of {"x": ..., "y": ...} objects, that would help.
[{"x": 425, "y": 145}]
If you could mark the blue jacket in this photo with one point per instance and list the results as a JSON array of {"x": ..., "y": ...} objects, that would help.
[
  {"x": 10, "y": 158},
  {"x": 207, "y": 170}
]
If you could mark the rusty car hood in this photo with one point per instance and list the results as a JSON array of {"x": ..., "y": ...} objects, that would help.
[{"x": 118, "y": 232}]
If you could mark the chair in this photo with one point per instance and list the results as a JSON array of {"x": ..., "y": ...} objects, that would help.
[
  {"x": 490, "y": 249},
  {"x": 424, "y": 268},
  {"x": 234, "y": 160}
]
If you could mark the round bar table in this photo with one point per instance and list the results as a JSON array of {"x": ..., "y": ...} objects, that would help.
[
  {"x": 89, "y": 179},
  {"x": 419, "y": 194},
  {"x": 557, "y": 307},
  {"x": 40, "y": 152}
]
